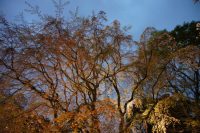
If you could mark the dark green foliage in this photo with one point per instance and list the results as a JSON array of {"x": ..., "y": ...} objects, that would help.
[{"x": 187, "y": 34}]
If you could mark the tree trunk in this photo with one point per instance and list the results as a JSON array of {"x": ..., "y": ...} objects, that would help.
[
  {"x": 121, "y": 124},
  {"x": 95, "y": 122}
]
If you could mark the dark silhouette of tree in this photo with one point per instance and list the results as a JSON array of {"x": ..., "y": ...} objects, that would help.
[{"x": 83, "y": 75}]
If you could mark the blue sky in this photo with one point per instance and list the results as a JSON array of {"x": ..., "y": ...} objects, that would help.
[{"x": 139, "y": 14}]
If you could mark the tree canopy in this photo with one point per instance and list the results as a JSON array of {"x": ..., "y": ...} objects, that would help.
[{"x": 84, "y": 75}]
